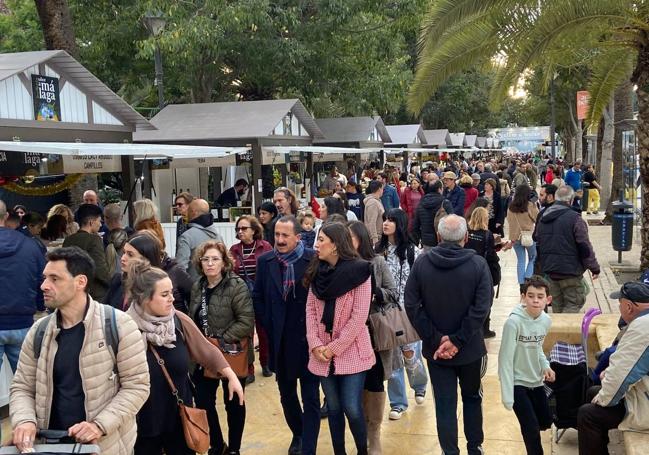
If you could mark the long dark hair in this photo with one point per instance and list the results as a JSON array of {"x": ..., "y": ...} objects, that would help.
[
  {"x": 340, "y": 236},
  {"x": 521, "y": 199},
  {"x": 358, "y": 229},
  {"x": 334, "y": 205},
  {"x": 401, "y": 236},
  {"x": 149, "y": 247}
]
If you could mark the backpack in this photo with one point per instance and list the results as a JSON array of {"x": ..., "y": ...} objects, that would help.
[{"x": 111, "y": 335}]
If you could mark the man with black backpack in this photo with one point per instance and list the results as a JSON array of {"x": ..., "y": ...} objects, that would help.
[{"x": 83, "y": 368}]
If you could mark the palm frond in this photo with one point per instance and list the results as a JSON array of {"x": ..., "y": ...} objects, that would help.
[{"x": 611, "y": 69}]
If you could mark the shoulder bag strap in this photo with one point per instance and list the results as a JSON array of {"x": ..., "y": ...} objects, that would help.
[{"x": 172, "y": 386}]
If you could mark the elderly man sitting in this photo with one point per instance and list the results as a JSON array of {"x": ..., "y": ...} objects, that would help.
[{"x": 623, "y": 400}]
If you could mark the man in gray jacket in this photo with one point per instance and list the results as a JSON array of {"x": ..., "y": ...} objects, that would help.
[{"x": 201, "y": 228}]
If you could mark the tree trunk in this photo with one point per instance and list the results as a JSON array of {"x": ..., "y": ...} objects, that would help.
[
  {"x": 603, "y": 167},
  {"x": 623, "y": 110},
  {"x": 56, "y": 22},
  {"x": 641, "y": 79},
  {"x": 598, "y": 152}
]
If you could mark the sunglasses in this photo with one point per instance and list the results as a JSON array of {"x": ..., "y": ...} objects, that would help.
[{"x": 242, "y": 228}]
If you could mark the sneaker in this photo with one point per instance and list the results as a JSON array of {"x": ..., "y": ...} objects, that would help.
[
  {"x": 250, "y": 379},
  {"x": 489, "y": 334},
  {"x": 419, "y": 397},
  {"x": 265, "y": 371},
  {"x": 396, "y": 413}
]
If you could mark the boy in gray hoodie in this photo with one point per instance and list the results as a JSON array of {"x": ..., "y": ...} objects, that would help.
[{"x": 523, "y": 366}]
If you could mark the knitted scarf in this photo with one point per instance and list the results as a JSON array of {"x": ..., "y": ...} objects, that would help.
[
  {"x": 157, "y": 330},
  {"x": 287, "y": 260}
]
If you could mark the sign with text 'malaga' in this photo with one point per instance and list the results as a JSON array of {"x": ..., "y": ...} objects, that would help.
[
  {"x": 19, "y": 164},
  {"x": 47, "y": 103},
  {"x": 91, "y": 164}
]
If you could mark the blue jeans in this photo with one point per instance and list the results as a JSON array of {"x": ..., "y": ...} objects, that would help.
[
  {"x": 344, "y": 399},
  {"x": 416, "y": 377},
  {"x": 522, "y": 270},
  {"x": 10, "y": 343},
  {"x": 302, "y": 423},
  {"x": 444, "y": 379}
]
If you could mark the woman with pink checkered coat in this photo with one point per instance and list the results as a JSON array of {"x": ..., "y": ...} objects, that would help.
[{"x": 337, "y": 307}]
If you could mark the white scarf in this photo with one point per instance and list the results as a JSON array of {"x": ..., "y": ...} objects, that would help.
[{"x": 157, "y": 330}]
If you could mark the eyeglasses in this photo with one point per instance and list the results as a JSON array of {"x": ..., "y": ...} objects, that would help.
[
  {"x": 210, "y": 260},
  {"x": 179, "y": 204},
  {"x": 241, "y": 228}
]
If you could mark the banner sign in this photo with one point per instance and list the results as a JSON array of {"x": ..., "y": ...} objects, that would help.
[
  {"x": 47, "y": 103},
  {"x": 583, "y": 102},
  {"x": 19, "y": 164},
  {"x": 91, "y": 164},
  {"x": 244, "y": 157}
]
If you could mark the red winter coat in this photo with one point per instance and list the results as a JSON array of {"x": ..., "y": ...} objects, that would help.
[{"x": 409, "y": 202}]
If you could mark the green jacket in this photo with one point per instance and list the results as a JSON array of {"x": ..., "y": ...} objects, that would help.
[
  {"x": 94, "y": 246},
  {"x": 230, "y": 313}
]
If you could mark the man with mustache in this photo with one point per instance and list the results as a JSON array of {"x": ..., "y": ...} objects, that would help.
[{"x": 279, "y": 298}]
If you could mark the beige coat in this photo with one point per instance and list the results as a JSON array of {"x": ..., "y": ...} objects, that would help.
[
  {"x": 373, "y": 217},
  {"x": 110, "y": 402},
  {"x": 521, "y": 221}
]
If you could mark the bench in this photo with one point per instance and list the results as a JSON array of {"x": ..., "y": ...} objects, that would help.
[{"x": 602, "y": 332}]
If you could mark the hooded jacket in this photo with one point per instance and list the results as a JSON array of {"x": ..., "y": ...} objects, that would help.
[
  {"x": 449, "y": 293},
  {"x": 200, "y": 230},
  {"x": 423, "y": 226},
  {"x": 521, "y": 360},
  {"x": 456, "y": 197},
  {"x": 21, "y": 268},
  {"x": 562, "y": 242}
]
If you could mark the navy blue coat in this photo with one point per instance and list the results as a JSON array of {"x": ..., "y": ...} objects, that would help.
[{"x": 271, "y": 312}]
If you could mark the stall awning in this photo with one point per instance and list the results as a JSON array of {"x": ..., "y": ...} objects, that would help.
[{"x": 150, "y": 151}]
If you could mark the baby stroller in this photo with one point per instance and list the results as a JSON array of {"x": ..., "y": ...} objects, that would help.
[
  {"x": 568, "y": 392},
  {"x": 52, "y": 445}
]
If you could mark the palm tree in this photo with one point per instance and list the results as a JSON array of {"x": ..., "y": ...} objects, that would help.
[{"x": 612, "y": 35}]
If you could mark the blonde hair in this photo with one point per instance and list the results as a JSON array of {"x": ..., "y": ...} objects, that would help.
[
  {"x": 479, "y": 219},
  {"x": 145, "y": 209},
  {"x": 466, "y": 180},
  {"x": 63, "y": 210},
  {"x": 228, "y": 264}
]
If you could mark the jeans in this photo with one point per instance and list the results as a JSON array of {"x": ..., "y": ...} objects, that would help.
[
  {"x": 533, "y": 413},
  {"x": 10, "y": 344},
  {"x": 593, "y": 423},
  {"x": 206, "y": 389},
  {"x": 416, "y": 378},
  {"x": 302, "y": 424},
  {"x": 344, "y": 394},
  {"x": 522, "y": 270},
  {"x": 444, "y": 379}
]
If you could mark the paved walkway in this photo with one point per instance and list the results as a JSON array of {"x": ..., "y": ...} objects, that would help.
[{"x": 266, "y": 432}]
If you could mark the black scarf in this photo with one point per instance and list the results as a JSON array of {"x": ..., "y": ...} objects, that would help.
[
  {"x": 204, "y": 220},
  {"x": 332, "y": 282}
]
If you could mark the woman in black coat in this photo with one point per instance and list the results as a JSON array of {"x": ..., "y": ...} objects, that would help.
[
  {"x": 147, "y": 247},
  {"x": 495, "y": 209}
]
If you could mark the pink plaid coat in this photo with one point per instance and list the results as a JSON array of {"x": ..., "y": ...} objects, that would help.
[{"x": 350, "y": 340}]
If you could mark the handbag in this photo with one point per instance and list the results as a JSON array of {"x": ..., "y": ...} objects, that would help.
[
  {"x": 390, "y": 328},
  {"x": 236, "y": 354},
  {"x": 526, "y": 236},
  {"x": 193, "y": 420}
]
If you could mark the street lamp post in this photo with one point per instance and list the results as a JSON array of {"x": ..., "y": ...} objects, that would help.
[
  {"x": 552, "y": 120},
  {"x": 155, "y": 23}
]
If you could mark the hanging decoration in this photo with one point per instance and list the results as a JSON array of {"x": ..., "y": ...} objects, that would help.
[{"x": 45, "y": 190}]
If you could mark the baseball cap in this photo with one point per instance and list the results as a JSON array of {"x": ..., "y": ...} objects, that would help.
[
  {"x": 449, "y": 175},
  {"x": 634, "y": 291}
]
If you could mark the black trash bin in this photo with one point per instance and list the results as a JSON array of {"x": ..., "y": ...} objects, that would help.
[{"x": 622, "y": 229}]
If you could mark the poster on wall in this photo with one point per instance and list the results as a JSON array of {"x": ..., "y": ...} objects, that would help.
[
  {"x": 19, "y": 164},
  {"x": 90, "y": 164},
  {"x": 47, "y": 103}
]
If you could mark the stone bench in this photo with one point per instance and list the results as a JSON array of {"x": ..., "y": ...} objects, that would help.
[{"x": 602, "y": 331}]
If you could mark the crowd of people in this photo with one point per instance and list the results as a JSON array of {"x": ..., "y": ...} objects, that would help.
[{"x": 424, "y": 243}]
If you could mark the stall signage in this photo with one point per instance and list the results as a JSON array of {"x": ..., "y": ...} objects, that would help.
[
  {"x": 91, "y": 164},
  {"x": 47, "y": 103},
  {"x": 296, "y": 157},
  {"x": 244, "y": 157},
  {"x": 18, "y": 163}
]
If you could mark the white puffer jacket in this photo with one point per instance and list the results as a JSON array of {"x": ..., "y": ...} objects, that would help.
[{"x": 110, "y": 402}]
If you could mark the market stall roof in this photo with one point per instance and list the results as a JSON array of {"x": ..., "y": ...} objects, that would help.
[
  {"x": 352, "y": 129},
  {"x": 136, "y": 150},
  {"x": 16, "y": 64},
  {"x": 471, "y": 140},
  {"x": 286, "y": 149},
  {"x": 438, "y": 138},
  {"x": 458, "y": 139},
  {"x": 226, "y": 121},
  {"x": 481, "y": 142},
  {"x": 406, "y": 134}
]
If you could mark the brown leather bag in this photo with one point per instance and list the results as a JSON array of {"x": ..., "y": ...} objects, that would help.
[
  {"x": 193, "y": 420},
  {"x": 238, "y": 360}
]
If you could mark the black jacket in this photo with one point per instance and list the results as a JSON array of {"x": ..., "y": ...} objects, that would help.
[
  {"x": 449, "y": 293},
  {"x": 423, "y": 226}
]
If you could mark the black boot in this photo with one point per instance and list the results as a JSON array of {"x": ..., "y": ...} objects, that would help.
[
  {"x": 324, "y": 409},
  {"x": 296, "y": 446},
  {"x": 486, "y": 331}
]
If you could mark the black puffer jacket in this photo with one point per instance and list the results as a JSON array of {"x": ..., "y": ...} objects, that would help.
[{"x": 423, "y": 227}]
